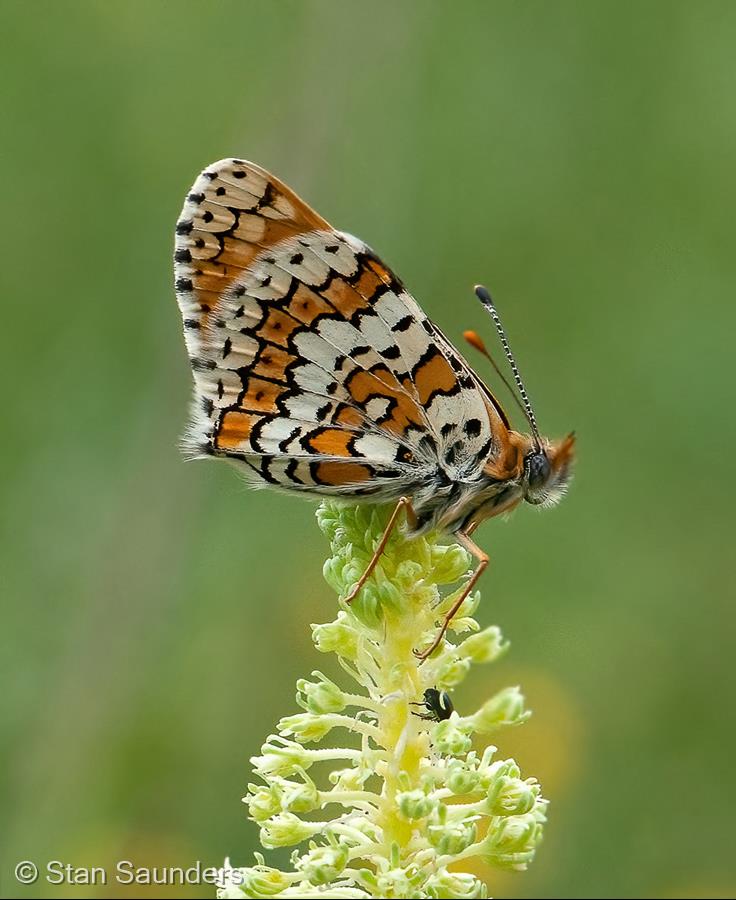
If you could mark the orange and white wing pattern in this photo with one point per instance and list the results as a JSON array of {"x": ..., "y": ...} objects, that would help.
[{"x": 313, "y": 366}]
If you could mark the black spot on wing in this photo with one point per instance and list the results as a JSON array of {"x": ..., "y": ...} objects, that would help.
[
  {"x": 403, "y": 324},
  {"x": 472, "y": 427}
]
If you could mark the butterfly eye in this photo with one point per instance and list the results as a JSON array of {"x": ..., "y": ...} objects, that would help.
[{"x": 538, "y": 469}]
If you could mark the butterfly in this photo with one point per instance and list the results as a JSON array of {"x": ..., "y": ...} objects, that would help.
[{"x": 316, "y": 372}]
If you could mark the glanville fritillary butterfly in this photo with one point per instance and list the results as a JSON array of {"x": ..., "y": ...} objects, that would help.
[{"x": 316, "y": 372}]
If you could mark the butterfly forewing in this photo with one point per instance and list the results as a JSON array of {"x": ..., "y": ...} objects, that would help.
[{"x": 312, "y": 364}]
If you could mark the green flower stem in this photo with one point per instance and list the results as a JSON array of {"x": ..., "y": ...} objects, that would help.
[{"x": 415, "y": 798}]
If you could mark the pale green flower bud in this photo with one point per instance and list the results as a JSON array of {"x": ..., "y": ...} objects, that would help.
[
  {"x": 409, "y": 572},
  {"x": 300, "y": 796},
  {"x": 448, "y": 563},
  {"x": 305, "y": 726},
  {"x": 347, "y": 779},
  {"x": 229, "y": 882},
  {"x": 322, "y": 696},
  {"x": 505, "y": 708},
  {"x": 367, "y": 607},
  {"x": 453, "y": 836},
  {"x": 332, "y": 572},
  {"x": 461, "y": 885},
  {"x": 388, "y": 594},
  {"x": 263, "y": 801},
  {"x": 328, "y": 520},
  {"x": 461, "y": 778},
  {"x": 453, "y": 672},
  {"x": 336, "y": 637},
  {"x": 322, "y": 865},
  {"x": 494, "y": 774},
  {"x": 508, "y": 795},
  {"x": 512, "y": 843},
  {"x": 262, "y": 881},
  {"x": 484, "y": 647},
  {"x": 352, "y": 569},
  {"x": 415, "y": 804},
  {"x": 282, "y": 758},
  {"x": 286, "y": 829},
  {"x": 452, "y": 736},
  {"x": 399, "y": 882}
]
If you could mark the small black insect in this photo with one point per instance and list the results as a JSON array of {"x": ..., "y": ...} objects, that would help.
[{"x": 437, "y": 704}]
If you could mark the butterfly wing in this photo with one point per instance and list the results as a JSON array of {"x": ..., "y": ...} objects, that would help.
[{"x": 312, "y": 364}]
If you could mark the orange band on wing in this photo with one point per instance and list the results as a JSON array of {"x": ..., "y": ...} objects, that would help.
[
  {"x": 368, "y": 281},
  {"x": 349, "y": 416},
  {"x": 336, "y": 473},
  {"x": 332, "y": 442},
  {"x": 234, "y": 430},
  {"x": 278, "y": 327},
  {"x": 261, "y": 396},
  {"x": 272, "y": 363},
  {"x": 433, "y": 376},
  {"x": 344, "y": 297},
  {"x": 305, "y": 305}
]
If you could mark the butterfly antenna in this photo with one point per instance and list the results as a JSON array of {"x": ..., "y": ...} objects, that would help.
[
  {"x": 474, "y": 339},
  {"x": 485, "y": 298}
]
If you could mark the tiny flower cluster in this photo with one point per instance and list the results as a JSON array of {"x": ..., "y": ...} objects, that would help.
[{"x": 406, "y": 797}]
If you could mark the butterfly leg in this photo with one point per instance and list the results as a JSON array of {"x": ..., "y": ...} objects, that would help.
[
  {"x": 463, "y": 538},
  {"x": 404, "y": 503}
]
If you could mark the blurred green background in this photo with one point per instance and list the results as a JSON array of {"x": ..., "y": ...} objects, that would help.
[{"x": 580, "y": 159}]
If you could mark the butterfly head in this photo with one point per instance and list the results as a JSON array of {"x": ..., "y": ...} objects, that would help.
[
  {"x": 545, "y": 467},
  {"x": 547, "y": 470}
]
